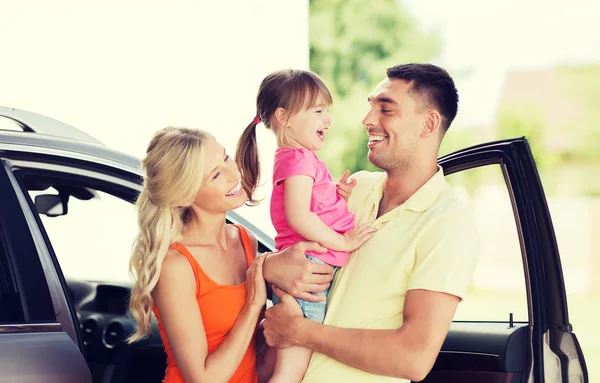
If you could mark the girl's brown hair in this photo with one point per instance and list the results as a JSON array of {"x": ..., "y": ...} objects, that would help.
[{"x": 287, "y": 89}]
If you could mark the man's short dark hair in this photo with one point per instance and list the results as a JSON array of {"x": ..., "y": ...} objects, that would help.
[{"x": 432, "y": 83}]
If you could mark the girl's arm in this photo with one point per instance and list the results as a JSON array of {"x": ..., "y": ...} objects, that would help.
[
  {"x": 297, "y": 197},
  {"x": 175, "y": 298}
]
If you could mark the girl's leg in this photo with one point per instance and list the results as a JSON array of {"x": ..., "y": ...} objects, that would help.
[
  {"x": 292, "y": 362},
  {"x": 291, "y": 365},
  {"x": 265, "y": 364}
]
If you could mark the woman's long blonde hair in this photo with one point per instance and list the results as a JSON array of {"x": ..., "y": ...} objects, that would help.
[{"x": 173, "y": 173}]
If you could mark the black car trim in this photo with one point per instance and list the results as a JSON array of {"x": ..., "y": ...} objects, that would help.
[
  {"x": 30, "y": 327},
  {"x": 23, "y": 254},
  {"x": 20, "y": 164}
]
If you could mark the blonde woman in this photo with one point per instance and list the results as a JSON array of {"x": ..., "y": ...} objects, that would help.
[{"x": 196, "y": 273}]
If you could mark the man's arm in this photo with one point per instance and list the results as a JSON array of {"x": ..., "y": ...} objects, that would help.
[
  {"x": 290, "y": 270},
  {"x": 445, "y": 259},
  {"x": 408, "y": 352}
]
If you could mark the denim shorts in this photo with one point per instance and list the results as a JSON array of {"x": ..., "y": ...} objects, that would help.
[{"x": 312, "y": 310}]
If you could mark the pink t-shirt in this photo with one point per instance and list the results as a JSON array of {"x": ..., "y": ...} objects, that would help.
[{"x": 325, "y": 202}]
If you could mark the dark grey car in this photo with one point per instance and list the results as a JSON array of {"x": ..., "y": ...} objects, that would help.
[{"x": 54, "y": 329}]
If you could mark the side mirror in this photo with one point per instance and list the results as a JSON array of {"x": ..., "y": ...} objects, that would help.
[{"x": 52, "y": 205}]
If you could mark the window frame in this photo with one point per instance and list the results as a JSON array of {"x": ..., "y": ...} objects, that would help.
[
  {"x": 519, "y": 232},
  {"x": 23, "y": 267}
]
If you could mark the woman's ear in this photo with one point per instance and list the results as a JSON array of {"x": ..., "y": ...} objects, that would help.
[{"x": 280, "y": 116}]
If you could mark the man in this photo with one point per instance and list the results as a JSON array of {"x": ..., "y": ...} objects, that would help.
[{"x": 392, "y": 304}]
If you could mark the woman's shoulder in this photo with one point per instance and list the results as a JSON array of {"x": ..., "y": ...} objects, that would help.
[
  {"x": 239, "y": 233},
  {"x": 175, "y": 262},
  {"x": 176, "y": 274}
]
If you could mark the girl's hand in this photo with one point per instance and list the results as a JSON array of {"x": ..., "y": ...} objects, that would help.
[
  {"x": 256, "y": 289},
  {"x": 359, "y": 235},
  {"x": 344, "y": 188}
]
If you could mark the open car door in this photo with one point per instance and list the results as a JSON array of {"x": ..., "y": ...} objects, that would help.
[
  {"x": 543, "y": 347},
  {"x": 37, "y": 343}
]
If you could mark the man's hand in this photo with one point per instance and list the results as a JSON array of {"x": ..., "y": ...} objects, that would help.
[
  {"x": 291, "y": 271},
  {"x": 282, "y": 321},
  {"x": 344, "y": 188}
]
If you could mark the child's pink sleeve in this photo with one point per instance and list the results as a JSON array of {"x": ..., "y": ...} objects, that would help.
[{"x": 293, "y": 163}]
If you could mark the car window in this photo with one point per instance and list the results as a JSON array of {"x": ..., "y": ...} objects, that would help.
[
  {"x": 93, "y": 240},
  {"x": 497, "y": 288},
  {"x": 92, "y": 233}
]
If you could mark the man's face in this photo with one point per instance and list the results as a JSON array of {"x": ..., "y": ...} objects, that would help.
[{"x": 394, "y": 124}]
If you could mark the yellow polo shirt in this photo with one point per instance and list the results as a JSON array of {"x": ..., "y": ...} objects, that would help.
[{"x": 430, "y": 242}]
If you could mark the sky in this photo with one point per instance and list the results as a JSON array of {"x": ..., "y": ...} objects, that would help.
[{"x": 489, "y": 38}]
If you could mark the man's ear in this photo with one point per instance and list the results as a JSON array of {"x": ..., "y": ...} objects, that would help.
[
  {"x": 281, "y": 116},
  {"x": 433, "y": 123}
]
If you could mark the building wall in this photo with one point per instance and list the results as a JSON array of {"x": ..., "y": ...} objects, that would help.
[{"x": 122, "y": 70}]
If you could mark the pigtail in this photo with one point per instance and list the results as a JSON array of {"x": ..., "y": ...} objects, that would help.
[{"x": 246, "y": 157}]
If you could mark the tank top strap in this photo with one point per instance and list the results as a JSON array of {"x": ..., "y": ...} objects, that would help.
[
  {"x": 193, "y": 263},
  {"x": 246, "y": 243}
]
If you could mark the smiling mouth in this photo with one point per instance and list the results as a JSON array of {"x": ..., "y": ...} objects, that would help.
[
  {"x": 321, "y": 134},
  {"x": 375, "y": 139},
  {"x": 235, "y": 190}
]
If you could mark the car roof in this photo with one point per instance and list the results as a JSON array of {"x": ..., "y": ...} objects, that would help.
[
  {"x": 44, "y": 134},
  {"x": 41, "y": 134}
]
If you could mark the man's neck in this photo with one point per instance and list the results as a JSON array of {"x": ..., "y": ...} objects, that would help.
[{"x": 401, "y": 185}]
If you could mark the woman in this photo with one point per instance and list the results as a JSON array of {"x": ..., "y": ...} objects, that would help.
[{"x": 196, "y": 273}]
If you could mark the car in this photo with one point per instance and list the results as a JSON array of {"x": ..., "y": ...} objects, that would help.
[{"x": 56, "y": 328}]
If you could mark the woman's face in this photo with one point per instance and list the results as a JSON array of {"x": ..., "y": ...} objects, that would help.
[{"x": 221, "y": 188}]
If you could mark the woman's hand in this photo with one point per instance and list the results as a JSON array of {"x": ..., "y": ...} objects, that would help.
[{"x": 256, "y": 290}]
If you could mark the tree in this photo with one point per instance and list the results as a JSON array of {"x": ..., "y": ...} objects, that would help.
[{"x": 352, "y": 43}]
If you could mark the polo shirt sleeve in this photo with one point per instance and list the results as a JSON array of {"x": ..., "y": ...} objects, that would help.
[
  {"x": 446, "y": 255},
  {"x": 293, "y": 163}
]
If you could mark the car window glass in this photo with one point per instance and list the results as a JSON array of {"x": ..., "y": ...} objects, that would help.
[
  {"x": 94, "y": 239},
  {"x": 497, "y": 288}
]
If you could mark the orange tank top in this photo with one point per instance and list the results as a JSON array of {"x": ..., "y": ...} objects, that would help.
[{"x": 220, "y": 306}]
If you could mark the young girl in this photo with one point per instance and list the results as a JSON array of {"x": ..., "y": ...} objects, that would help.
[{"x": 304, "y": 203}]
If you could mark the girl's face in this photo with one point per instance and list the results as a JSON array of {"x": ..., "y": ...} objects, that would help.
[
  {"x": 221, "y": 188},
  {"x": 307, "y": 128}
]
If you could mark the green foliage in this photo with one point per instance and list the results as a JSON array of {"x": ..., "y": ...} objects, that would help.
[
  {"x": 352, "y": 43},
  {"x": 526, "y": 120}
]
